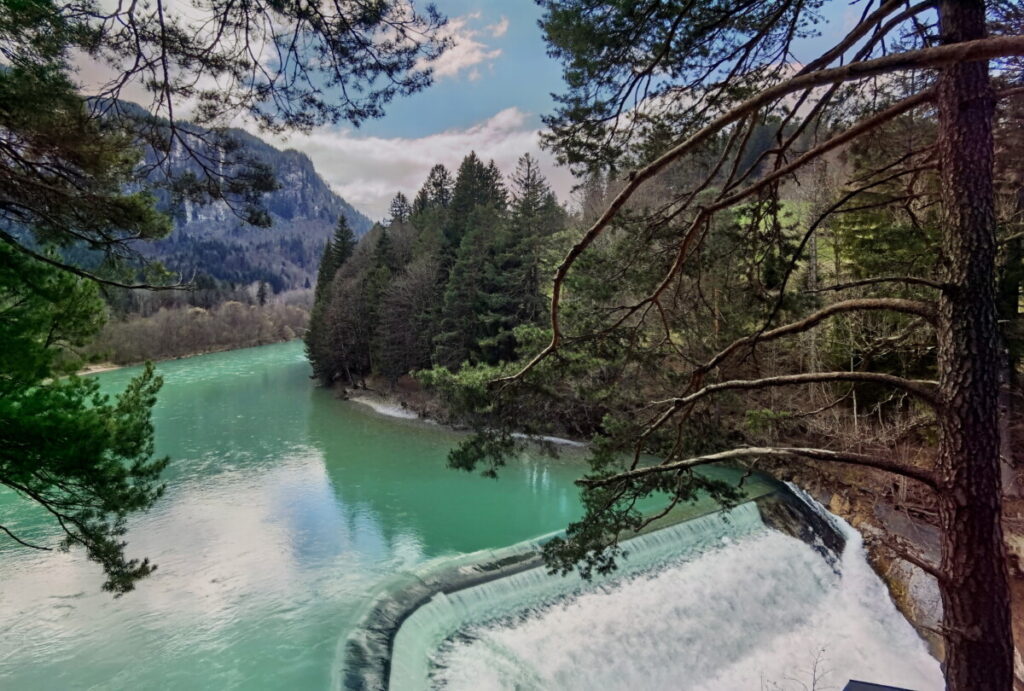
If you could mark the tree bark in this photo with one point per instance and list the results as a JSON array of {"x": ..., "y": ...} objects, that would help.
[
  {"x": 975, "y": 590},
  {"x": 1009, "y": 283}
]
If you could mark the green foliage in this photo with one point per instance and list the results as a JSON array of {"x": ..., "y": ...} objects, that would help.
[
  {"x": 592, "y": 544},
  {"x": 84, "y": 457},
  {"x": 615, "y": 55},
  {"x": 71, "y": 205},
  {"x": 342, "y": 246},
  {"x": 450, "y": 286}
]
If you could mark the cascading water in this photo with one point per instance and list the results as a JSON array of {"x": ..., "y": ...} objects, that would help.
[{"x": 760, "y": 610}]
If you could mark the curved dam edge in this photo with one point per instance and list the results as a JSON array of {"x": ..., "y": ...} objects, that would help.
[{"x": 372, "y": 655}]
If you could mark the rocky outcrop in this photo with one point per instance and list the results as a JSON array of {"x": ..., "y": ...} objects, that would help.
[{"x": 212, "y": 239}]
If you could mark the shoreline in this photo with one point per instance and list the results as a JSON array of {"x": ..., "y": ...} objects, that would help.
[
  {"x": 108, "y": 366},
  {"x": 391, "y": 406},
  {"x": 99, "y": 367}
]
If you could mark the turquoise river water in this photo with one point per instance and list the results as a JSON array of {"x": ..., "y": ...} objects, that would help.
[
  {"x": 286, "y": 507},
  {"x": 283, "y": 507}
]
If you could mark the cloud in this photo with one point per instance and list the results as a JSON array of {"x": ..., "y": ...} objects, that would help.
[
  {"x": 467, "y": 50},
  {"x": 368, "y": 171},
  {"x": 499, "y": 29}
]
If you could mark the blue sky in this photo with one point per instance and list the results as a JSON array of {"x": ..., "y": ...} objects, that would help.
[
  {"x": 521, "y": 75},
  {"x": 488, "y": 95}
]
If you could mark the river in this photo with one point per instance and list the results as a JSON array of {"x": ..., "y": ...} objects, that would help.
[{"x": 284, "y": 508}]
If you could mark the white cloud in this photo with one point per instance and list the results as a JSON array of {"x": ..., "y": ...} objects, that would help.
[
  {"x": 499, "y": 29},
  {"x": 368, "y": 171},
  {"x": 468, "y": 50}
]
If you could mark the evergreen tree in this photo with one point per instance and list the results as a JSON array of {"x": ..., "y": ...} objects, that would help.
[
  {"x": 325, "y": 272},
  {"x": 401, "y": 210},
  {"x": 344, "y": 242},
  {"x": 462, "y": 321},
  {"x": 337, "y": 251},
  {"x": 261, "y": 294},
  {"x": 436, "y": 191},
  {"x": 84, "y": 457},
  {"x": 408, "y": 316},
  {"x": 475, "y": 185},
  {"x": 430, "y": 209},
  {"x": 535, "y": 217}
]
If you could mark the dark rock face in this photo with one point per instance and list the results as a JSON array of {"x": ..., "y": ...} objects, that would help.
[
  {"x": 786, "y": 512},
  {"x": 212, "y": 240}
]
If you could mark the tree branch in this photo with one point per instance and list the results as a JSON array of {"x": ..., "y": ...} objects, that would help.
[
  {"x": 919, "y": 308},
  {"x": 917, "y": 387},
  {"x": 22, "y": 542},
  {"x": 933, "y": 57},
  {"x": 909, "y": 280},
  {"x": 904, "y": 551},
  {"x": 826, "y": 455},
  {"x": 86, "y": 274}
]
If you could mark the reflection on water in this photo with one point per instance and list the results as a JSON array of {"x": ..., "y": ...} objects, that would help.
[{"x": 284, "y": 507}]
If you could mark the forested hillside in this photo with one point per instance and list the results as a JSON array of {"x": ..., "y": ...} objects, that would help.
[
  {"x": 249, "y": 258},
  {"x": 448, "y": 280}
]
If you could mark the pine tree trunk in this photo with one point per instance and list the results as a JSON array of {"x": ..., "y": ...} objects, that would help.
[{"x": 975, "y": 591}]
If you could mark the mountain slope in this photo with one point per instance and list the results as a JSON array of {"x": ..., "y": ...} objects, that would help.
[{"x": 211, "y": 242}]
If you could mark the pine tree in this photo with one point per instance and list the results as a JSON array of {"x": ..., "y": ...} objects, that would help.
[
  {"x": 535, "y": 216},
  {"x": 344, "y": 242},
  {"x": 462, "y": 322},
  {"x": 401, "y": 210},
  {"x": 475, "y": 185},
  {"x": 436, "y": 191},
  {"x": 325, "y": 272}
]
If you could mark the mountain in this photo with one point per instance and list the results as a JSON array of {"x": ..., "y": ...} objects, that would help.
[{"x": 211, "y": 241}]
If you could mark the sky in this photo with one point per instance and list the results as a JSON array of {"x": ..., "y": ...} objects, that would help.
[
  {"x": 488, "y": 96},
  {"x": 489, "y": 93}
]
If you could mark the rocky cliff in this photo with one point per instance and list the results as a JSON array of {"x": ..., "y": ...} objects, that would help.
[{"x": 213, "y": 241}]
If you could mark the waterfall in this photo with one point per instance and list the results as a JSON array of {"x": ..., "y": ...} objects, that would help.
[
  {"x": 761, "y": 610},
  {"x": 532, "y": 591}
]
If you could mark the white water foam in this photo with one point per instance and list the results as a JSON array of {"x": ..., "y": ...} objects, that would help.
[
  {"x": 553, "y": 440},
  {"x": 385, "y": 408},
  {"x": 765, "y": 612}
]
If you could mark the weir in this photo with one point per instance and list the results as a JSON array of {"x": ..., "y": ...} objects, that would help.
[{"x": 417, "y": 612}]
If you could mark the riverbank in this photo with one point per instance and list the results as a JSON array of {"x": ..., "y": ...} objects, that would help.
[
  {"x": 188, "y": 331},
  {"x": 97, "y": 368},
  {"x": 409, "y": 401}
]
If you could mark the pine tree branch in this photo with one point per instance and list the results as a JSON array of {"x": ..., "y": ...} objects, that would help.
[
  {"x": 925, "y": 58},
  {"x": 22, "y": 542},
  {"x": 920, "y": 388},
  {"x": 922, "y": 475},
  {"x": 919, "y": 308},
  {"x": 909, "y": 280},
  {"x": 82, "y": 273}
]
